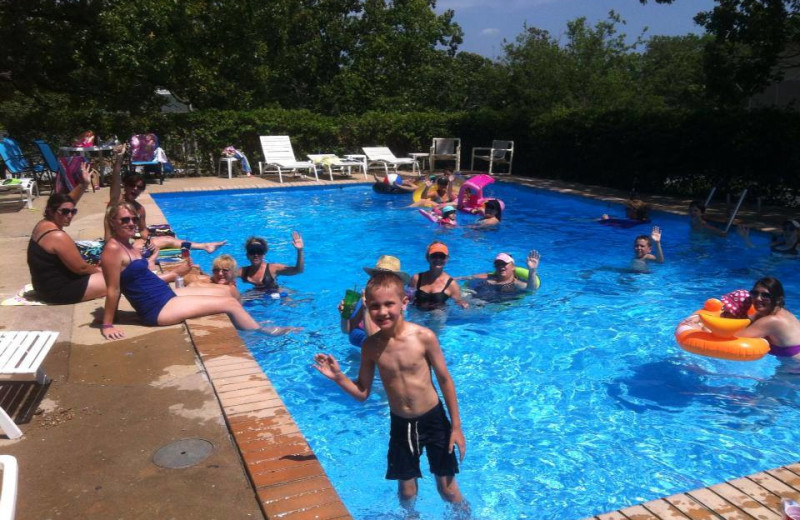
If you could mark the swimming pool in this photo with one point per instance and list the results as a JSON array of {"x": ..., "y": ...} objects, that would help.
[{"x": 574, "y": 401}]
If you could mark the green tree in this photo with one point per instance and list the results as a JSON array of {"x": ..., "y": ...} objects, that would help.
[{"x": 672, "y": 71}]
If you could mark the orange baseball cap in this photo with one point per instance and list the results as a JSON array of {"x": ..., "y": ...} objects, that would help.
[{"x": 438, "y": 247}]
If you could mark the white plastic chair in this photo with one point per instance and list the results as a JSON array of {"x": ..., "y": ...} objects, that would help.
[
  {"x": 8, "y": 499},
  {"x": 382, "y": 156},
  {"x": 21, "y": 356},
  {"x": 279, "y": 157},
  {"x": 27, "y": 188},
  {"x": 445, "y": 148},
  {"x": 332, "y": 163},
  {"x": 501, "y": 152}
]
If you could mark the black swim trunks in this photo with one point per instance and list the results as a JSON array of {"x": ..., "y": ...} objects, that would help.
[{"x": 408, "y": 437}]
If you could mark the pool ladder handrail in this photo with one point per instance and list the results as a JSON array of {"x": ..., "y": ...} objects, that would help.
[{"x": 735, "y": 210}]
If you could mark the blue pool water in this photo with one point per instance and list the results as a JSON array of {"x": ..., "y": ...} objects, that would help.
[{"x": 575, "y": 401}]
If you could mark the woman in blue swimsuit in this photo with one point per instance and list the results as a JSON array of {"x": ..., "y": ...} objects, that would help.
[
  {"x": 127, "y": 272},
  {"x": 772, "y": 321}
]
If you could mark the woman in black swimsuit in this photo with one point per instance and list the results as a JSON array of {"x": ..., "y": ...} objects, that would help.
[
  {"x": 58, "y": 272},
  {"x": 265, "y": 275},
  {"x": 434, "y": 287}
]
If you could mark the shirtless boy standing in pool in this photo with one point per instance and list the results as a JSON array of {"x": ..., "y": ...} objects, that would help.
[{"x": 405, "y": 353}]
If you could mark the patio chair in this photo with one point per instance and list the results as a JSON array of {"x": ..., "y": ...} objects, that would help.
[
  {"x": 279, "y": 157},
  {"x": 22, "y": 166},
  {"x": 146, "y": 153},
  {"x": 382, "y": 156},
  {"x": 501, "y": 152},
  {"x": 21, "y": 357},
  {"x": 332, "y": 163},
  {"x": 445, "y": 148},
  {"x": 64, "y": 182}
]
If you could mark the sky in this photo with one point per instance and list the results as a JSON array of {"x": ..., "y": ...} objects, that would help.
[{"x": 487, "y": 22}]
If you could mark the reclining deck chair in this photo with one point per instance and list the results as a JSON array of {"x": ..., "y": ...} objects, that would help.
[
  {"x": 382, "y": 156},
  {"x": 332, "y": 163},
  {"x": 21, "y": 357},
  {"x": 279, "y": 157},
  {"x": 501, "y": 152},
  {"x": 445, "y": 148},
  {"x": 21, "y": 166},
  {"x": 146, "y": 152},
  {"x": 64, "y": 182}
]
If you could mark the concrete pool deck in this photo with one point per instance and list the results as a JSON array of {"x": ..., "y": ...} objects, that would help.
[{"x": 90, "y": 435}]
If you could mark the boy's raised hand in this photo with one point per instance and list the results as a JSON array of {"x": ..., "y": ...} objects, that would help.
[
  {"x": 656, "y": 234},
  {"x": 327, "y": 366}
]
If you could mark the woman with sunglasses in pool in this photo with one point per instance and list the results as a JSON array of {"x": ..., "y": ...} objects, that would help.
[
  {"x": 58, "y": 272},
  {"x": 504, "y": 279},
  {"x": 127, "y": 272},
  {"x": 434, "y": 286},
  {"x": 263, "y": 274},
  {"x": 772, "y": 321},
  {"x": 133, "y": 185}
]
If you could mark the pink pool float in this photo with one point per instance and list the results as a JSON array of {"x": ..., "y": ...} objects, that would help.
[{"x": 470, "y": 196}]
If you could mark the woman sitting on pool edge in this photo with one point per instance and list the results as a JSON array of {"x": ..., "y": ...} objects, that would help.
[
  {"x": 265, "y": 275},
  {"x": 434, "y": 287},
  {"x": 127, "y": 272},
  {"x": 504, "y": 278},
  {"x": 772, "y": 321},
  {"x": 58, "y": 273}
]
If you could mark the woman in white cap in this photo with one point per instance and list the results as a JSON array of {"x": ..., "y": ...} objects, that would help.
[{"x": 504, "y": 279}]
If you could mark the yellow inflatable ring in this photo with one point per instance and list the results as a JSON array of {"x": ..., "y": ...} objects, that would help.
[{"x": 719, "y": 340}]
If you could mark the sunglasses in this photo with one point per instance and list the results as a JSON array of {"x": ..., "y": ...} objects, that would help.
[
  {"x": 439, "y": 256},
  {"x": 253, "y": 251},
  {"x": 140, "y": 187},
  {"x": 128, "y": 220},
  {"x": 764, "y": 295},
  {"x": 67, "y": 211},
  {"x": 220, "y": 270}
]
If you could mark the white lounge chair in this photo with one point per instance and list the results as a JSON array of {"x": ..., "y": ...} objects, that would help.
[
  {"x": 382, "y": 156},
  {"x": 8, "y": 500},
  {"x": 279, "y": 157},
  {"x": 21, "y": 357},
  {"x": 26, "y": 188},
  {"x": 501, "y": 152},
  {"x": 332, "y": 163},
  {"x": 445, "y": 148}
]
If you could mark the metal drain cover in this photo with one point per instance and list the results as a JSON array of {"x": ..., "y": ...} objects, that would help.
[{"x": 183, "y": 453}]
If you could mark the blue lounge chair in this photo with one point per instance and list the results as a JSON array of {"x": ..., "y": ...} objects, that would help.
[{"x": 21, "y": 166}]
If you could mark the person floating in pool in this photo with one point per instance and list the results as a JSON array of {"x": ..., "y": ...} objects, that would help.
[
  {"x": 642, "y": 249},
  {"x": 404, "y": 354},
  {"x": 265, "y": 275},
  {"x": 697, "y": 220},
  {"x": 394, "y": 181},
  {"x": 357, "y": 324},
  {"x": 434, "y": 287},
  {"x": 505, "y": 279},
  {"x": 492, "y": 214},
  {"x": 772, "y": 321},
  {"x": 636, "y": 212}
]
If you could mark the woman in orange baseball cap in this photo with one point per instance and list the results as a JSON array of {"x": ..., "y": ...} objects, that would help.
[{"x": 434, "y": 286}]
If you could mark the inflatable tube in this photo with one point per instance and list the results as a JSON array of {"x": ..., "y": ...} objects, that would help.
[
  {"x": 714, "y": 336},
  {"x": 389, "y": 189},
  {"x": 623, "y": 223},
  {"x": 417, "y": 195},
  {"x": 429, "y": 215},
  {"x": 522, "y": 274}
]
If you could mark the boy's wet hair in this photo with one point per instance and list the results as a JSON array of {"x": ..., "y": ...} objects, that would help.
[
  {"x": 642, "y": 237},
  {"x": 382, "y": 280}
]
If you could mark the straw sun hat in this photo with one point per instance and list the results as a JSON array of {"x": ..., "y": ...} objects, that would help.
[{"x": 388, "y": 263}]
